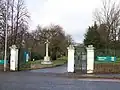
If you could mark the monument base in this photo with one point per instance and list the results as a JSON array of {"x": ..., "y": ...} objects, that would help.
[{"x": 46, "y": 60}]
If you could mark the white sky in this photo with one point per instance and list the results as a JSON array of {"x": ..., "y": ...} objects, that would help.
[{"x": 73, "y": 15}]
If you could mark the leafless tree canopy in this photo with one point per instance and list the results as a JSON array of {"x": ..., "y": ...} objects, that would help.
[
  {"x": 17, "y": 21},
  {"x": 18, "y": 26},
  {"x": 109, "y": 15}
]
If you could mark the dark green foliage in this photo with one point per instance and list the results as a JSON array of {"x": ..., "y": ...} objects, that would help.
[
  {"x": 36, "y": 56},
  {"x": 99, "y": 37},
  {"x": 92, "y": 37}
]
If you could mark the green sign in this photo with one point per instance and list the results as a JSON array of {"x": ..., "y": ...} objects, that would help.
[
  {"x": 2, "y": 61},
  {"x": 106, "y": 59}
]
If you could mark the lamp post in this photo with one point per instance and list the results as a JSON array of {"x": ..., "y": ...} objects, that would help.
[{"x": 6, "y": 29}]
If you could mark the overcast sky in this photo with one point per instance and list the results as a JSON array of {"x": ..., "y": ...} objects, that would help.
[{"x": 73, "y": 15}]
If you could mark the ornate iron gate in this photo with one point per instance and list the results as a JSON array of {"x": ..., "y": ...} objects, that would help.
[{"x": 80, "y": 59}]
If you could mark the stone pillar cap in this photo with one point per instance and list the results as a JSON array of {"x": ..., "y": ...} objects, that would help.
[
  {"x": 70, "y": 47},
  {"x": 13, "y": 47},
  {"x": 90, "y": 47}
]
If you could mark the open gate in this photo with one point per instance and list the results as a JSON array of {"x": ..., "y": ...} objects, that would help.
[{"x": 80, "y": 59}]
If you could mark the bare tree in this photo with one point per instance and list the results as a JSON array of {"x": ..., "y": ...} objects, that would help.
[
  {"x": 20, "y": 17},
  {"x": 3, "y": 22},
  {"x": 17, "y": 22},
  {"x": 56, "y": 36},
  {"x": 109, "y": 15}
]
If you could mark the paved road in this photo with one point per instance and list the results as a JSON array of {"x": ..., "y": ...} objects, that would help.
[
  {"x": 60, "y": 69},
  {"x": 36, "y": 81}
]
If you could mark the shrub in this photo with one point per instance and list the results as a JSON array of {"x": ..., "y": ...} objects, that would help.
[{"x": 36, "y": 56}]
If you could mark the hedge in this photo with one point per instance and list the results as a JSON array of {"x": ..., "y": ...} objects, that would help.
[{"x": 107, "y": 68}]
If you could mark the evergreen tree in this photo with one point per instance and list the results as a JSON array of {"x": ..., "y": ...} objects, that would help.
[{"x": 92, "y": 37}]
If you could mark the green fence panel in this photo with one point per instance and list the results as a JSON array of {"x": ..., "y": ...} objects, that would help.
[{"x": 2, "y": 62}]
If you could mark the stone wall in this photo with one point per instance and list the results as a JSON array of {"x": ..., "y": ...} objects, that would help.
[{"x": 107, "y": 68}]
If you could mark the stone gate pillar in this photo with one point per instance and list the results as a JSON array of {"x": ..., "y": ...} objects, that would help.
[
  {"x": 90, "y": 59},
  {"x": 70, "y": 65},
  {"x": 13, "y": 58}
]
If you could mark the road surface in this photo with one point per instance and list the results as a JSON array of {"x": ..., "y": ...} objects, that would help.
[
  {"x": 51, "y": 79},
  {"x": 35, "y": 81}
]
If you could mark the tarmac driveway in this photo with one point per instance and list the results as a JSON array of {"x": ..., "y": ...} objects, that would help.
[{"x": 60, "y": 69}]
